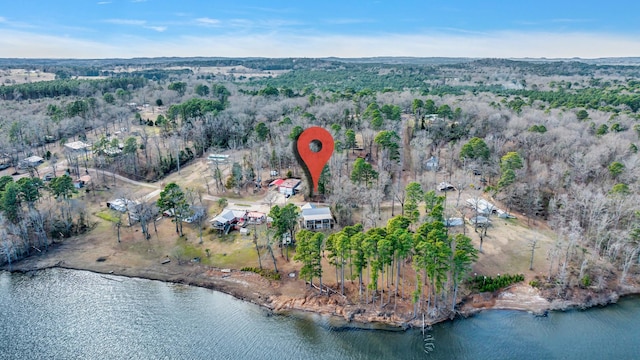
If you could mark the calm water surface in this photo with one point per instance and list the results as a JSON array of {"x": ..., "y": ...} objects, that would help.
[{"x": 63, "y": 314}]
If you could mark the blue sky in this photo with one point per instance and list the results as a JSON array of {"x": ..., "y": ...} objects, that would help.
[{"x": 137, "y": 28}]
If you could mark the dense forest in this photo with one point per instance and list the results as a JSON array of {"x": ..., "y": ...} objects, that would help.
[{"x": 555, "y": 141}]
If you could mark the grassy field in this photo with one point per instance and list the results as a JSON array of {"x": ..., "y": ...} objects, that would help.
[{"x": 21, "y": 76}]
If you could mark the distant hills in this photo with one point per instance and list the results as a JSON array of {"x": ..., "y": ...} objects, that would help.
[{"x": 288, "y": 63}]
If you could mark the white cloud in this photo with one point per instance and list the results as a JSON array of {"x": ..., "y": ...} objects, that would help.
[
  {"x": 104, "y": 2},
  {"x": 205, "y": 21},
  {"x": 126, "y": 22},
  {"x": 157, "y": 28},
  {"x": 15, "y": 24},
  {"x": 275, "y": 44}
]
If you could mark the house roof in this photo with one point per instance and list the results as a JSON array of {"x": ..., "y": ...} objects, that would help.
[
  {"x": 445, "y": 186},
  {"x": 256, "y": 214},
  {"x": 307, "y": 206},
  {"x": 123, "y": 204},
  {"x": 276, "y": 182},
  {"x": 317, "y": 214},
  {"x": 228, "y": 215},
  {"x": 479, "y": 220},
  {"x": 76, "y": 145},
  {"x": 483, "y": 206},
  {"x": 454, "y": 222},
  {"x": 290, "y": 183},
  {"x": 34, "y": 159}
]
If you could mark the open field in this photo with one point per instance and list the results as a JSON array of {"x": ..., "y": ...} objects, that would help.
[{"x": 21, "y": 76}]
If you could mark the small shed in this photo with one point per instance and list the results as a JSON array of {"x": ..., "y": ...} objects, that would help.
[
  {"x": 77, "y": 147},
  {"x": 31, "y": 161},
  {"x": 479, "y": 221},
  {"x": 445, "y": 186},
  {"x": 218, "y": 158},
  {"x": 451, "y": 222}
]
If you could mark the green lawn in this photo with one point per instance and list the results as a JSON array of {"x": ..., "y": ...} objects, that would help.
[{"x": 107, "y": 215}]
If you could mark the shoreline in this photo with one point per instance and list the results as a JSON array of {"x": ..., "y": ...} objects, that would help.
[{"x": 253, "y": 288}]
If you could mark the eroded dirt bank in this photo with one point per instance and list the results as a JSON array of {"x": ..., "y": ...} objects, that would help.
[{"x": 291, "y": 295}]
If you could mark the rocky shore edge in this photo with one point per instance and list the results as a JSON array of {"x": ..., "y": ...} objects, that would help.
[{"x": 253, "y": 288}]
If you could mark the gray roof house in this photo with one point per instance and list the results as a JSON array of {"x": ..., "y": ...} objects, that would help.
[{"x": 316, "y": 218}]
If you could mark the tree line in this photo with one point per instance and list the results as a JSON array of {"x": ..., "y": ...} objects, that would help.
[
  {"x": 67, "y": 87},
  {"x": 33, "y": 222},
  {"x": 377, "y": 257}
]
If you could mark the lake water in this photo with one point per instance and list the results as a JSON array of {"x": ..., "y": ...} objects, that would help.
[{"x": 64, "y": 314}]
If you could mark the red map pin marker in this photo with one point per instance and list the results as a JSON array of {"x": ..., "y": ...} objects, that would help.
[{"x": 315, "y": 146}]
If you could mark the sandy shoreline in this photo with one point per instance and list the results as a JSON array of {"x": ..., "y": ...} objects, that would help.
[{"x": 274, "y": 295}]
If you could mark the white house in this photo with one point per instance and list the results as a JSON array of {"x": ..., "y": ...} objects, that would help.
[
  {"x": 316, "y": 218},
  {"x": 228, "y": 217}
]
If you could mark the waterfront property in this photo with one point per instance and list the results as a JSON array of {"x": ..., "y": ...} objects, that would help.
[
  {"x": 227, "y": 218},
  {"x": 316, "y": 218}
]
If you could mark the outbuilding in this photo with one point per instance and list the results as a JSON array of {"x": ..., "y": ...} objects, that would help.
[
  {"x": 30, "y": 162},
  {"x": 77, "y": 147},
  {"x": 289, "y": 186}
]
